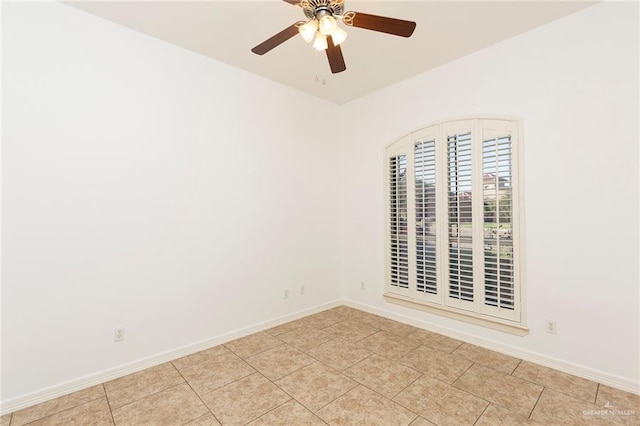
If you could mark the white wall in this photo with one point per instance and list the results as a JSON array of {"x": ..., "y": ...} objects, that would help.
[
  {"x": 575, "y": 83},
  {"x": 149, "y": 188}
]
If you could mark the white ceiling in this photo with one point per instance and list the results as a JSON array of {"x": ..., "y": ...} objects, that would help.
[{"x": 227, "y": 30}]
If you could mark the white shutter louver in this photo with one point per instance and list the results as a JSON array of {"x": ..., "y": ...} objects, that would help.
[
  {"x": 498, "y": 237},
  {"x": 460, "y": 241},
  {"x": 398, "y": 235},
  {"x": 425, "y": 209}
]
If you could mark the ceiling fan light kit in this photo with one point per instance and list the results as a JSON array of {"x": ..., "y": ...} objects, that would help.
[
  {"x": 339, "y": 35},
  {"x": 327, "y": 24},
  {"x": 308, "y": 30},
  {"x": 320, "y": 41},
  {"x": 323, "y": 31}
]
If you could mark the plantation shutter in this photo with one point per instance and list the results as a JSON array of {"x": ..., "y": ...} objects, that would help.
[
  {"x": 460, "y": 219},
  {"x": 454, "y": 219},
  {"x": 425, "y": 216},
  {"x": 498, "y": 243},
  {"x": 499, "y": 194},
  {"x": 398, "y": 223}
]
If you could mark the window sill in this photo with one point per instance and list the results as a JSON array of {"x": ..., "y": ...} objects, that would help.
[{"x": 495, "y": 324}]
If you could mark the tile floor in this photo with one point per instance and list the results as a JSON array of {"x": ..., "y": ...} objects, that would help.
[{"x": 341, "y": 367}]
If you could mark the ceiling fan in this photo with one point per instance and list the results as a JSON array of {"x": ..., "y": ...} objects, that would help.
[{"x": 322, "y": 28}]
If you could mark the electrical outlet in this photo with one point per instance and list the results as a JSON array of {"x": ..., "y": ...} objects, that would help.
[
  {"x": 286, "y": 293},
  {"x": 551, "y": 327},
  {"x": 302, "y": 290},
  {"x": 118, "y": 335},
  {"x": 361, "y": 285}
]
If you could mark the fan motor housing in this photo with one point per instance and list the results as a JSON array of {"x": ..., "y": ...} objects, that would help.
[{"x": 312, "y": 7}]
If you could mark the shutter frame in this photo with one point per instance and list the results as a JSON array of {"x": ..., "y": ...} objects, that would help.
[{"x": 480, "y": 127}]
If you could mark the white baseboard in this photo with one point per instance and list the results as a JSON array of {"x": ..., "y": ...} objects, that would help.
[
  {"x": 74, "y": 385},
  {"x": 598, "y": 376}
]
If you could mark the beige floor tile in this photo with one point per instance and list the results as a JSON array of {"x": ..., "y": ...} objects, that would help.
[
  {"x": 339, "y": 313},
  {"x": 361, "y": 406},
  {"x": 362, "y": 316},
  {"x": 351, "y": 330},
  {"x": 393, "y": 373},
  {"x": 394, "y": 327},
  {"x": 280, "y": 361},
  {"x": 288, "y": 414},
  {"x": 555, "y": 408},
  {"x": 488, "y": 358},
  {"x": 216, "y": 372},
  {"x": 347, "y": 313},
  {"x": 143, "y": 383},
  {"x": 57, "y": 405},
  {"x": 388, "y": 345},
  {"x": 174, "y": 406},
  {"x": 5, "y": 420},
  {"x": 621, "y": 400},
  {"x": 437, "y": 364},
  {"x": 253, "y": 344},
  {"x": 206, "y": 420},
  {"x": 305, "y": 338},
  {"x": 321, "y": 320},
  {"x": 435, "y": 340},
  {"x": 339, "y": 309},
  {"x": 339, "y": 354},
  {"x": 421, "y": 422},
  {"x": 198, "y": 357},
  {"x": 506, "y": 391},
  {"x": 244, "y": 400},
  {"x": 285, "y": 328},
  {"x": 498, "y": 416},
  {"x": 94, "y": 413},
  {"x": 574, "y": 386},
  {"x": 368, "y": 318},
  {"x": 316, "y": 385},
  {"x": 441, "y": 403},
  {"x": 382, "y": 375}
]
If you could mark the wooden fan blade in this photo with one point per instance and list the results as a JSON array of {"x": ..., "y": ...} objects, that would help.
[
  {"x": 334, "y": 55},
  {"x": 276, "y": 40},
  {"x": 382, "y": 24},
  {"x": 293, "y": 2}
]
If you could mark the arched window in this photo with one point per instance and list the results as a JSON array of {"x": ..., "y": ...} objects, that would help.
[{"x": 454, "y": 234}]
